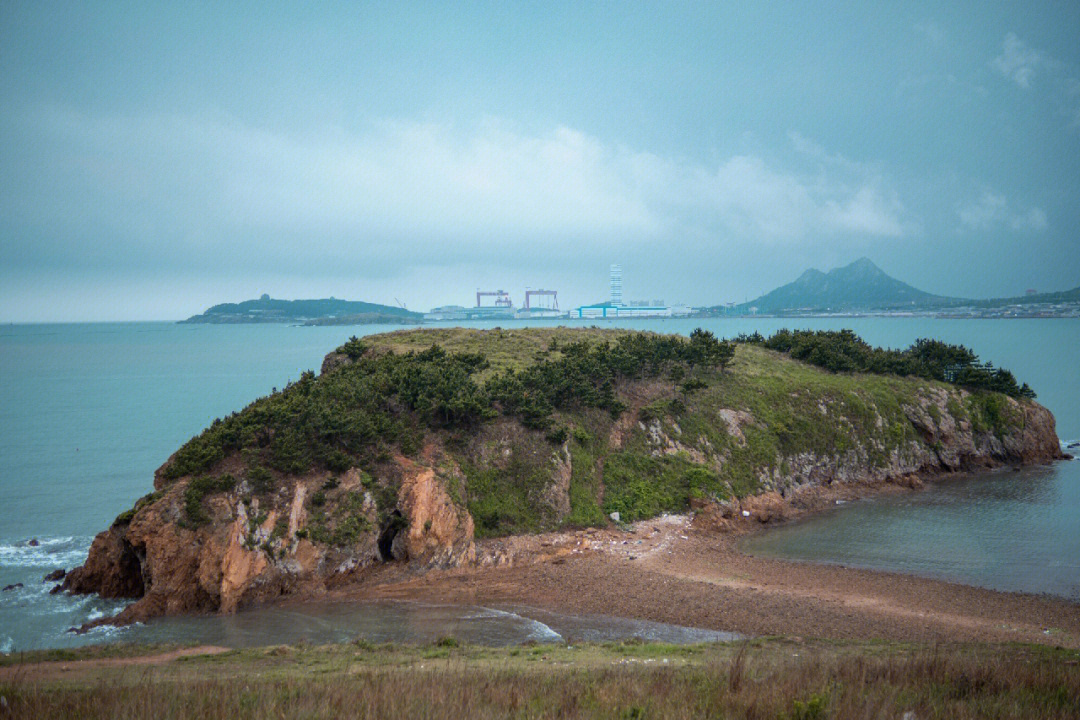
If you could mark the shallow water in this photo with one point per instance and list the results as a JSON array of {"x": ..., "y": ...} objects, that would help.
[
  {"x": 88, "y": 412},
  {"x": 407, "y": 622},
  {"x": 1002, "y": 530}
]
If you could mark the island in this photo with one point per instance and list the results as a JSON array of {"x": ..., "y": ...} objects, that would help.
[
  {"x": 325, "y": 311},
  {"x": 430, "y": 449}
]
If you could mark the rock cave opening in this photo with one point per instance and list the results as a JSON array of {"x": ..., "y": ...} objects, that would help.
[{"x": 390, "y": 529}]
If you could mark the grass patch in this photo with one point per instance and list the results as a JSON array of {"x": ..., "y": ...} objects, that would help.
[
  {"x": 640, "y": 486},
  {"x": 769, "y": 678},
  {"x": 507, "y": 499},
  {"x": 585, "y": 484}
]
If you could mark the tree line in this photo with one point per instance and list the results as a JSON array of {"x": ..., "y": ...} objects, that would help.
[
  {"x": 382, "y": 400},
  {"x": 844, "y": 351}
]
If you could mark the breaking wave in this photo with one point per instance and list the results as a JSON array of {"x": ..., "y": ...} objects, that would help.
[{"x": 65, "y": 552}]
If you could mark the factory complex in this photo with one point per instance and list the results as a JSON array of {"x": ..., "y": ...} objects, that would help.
[{"x": 497, "y": 305}]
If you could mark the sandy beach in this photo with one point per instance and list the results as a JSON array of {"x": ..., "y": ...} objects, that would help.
[{"x": 672, "y": 570}]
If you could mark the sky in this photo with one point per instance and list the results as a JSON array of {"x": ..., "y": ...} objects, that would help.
[{"x": 158, "y": 158}]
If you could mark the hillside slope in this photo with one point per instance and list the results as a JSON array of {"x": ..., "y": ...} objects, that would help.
[
  {"x": 411, "y": 446},
  {"x": 324, "y": 311},
  {"x": 862, "y": 285}
]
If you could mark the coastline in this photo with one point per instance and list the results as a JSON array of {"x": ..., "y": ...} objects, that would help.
[{"x": 684, "y": 570}]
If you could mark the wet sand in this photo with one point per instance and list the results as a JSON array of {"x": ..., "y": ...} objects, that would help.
[{"x": 668, "y": 570}]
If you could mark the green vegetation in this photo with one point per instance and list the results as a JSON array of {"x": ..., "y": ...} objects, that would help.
[
  {"x": 640, "y": 486},
  {"x": 508, "y": 499},
  {"x": 844, "y": 351},
  {"x": 341, "y": 522},
  {"x": 199, "y": 488},
  {"x": 127, "y": 516},
  {"x": 586, "y": 375},
  {"x": 764, "y": 678},
  {"x": 386, "y": 398},
  {"x": 585, "y": 483},
  {"x": 707, "y": 418}
]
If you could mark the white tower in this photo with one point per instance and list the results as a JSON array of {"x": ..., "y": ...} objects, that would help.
[{"x": 616, "y": 285}]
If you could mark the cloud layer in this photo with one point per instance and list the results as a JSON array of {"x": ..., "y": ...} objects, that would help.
[
  {"x": 197, "y": 182},
  {"x": 992, "y": 210}
]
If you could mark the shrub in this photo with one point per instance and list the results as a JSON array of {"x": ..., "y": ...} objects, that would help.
[
  {"x": 353, "y": 348},
  {"x": 260, "y": 479},
  {"x": 844, "y": 351},
  {"x": 197, "y": 489},
  {"x": 558, "y": 436}
]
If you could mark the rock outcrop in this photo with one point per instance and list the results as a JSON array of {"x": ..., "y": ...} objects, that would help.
[{"x": 255, "y": 549}]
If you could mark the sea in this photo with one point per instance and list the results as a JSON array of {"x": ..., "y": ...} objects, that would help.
[{"x": 89, "y": 411}]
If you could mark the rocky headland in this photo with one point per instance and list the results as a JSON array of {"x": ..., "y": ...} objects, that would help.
[{"x": 431, "y": 449}]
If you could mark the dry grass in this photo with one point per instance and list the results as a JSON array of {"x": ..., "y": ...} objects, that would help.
[
  {"x": 763, "y": 679},
  {"x": 505, "y": 348}
]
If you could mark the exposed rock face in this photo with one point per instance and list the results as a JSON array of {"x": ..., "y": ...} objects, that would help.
[
  {"x": 252, "y": 552},
  {"x": 55, "y": 575},
  {"x": 438, "y": 533},
  {"x": 557, "y": 493}
]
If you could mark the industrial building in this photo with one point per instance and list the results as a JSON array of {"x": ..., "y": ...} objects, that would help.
[
  {"x": 546, "y": 307},
  {"x": 616, "y": 308},
  {"x": 539, "y": 303}
]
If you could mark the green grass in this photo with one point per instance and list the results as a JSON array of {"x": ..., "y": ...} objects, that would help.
[
  {"x": 764, "y": 678},
  {"x": 640, "y": 486},
  {"x": 585, "y": 483},
  {"x": 507, "y": 498}
]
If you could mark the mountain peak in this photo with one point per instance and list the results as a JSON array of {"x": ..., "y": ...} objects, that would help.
[
  {"x": 863, "y": 264},
  {"x": 861, "y": 285}
]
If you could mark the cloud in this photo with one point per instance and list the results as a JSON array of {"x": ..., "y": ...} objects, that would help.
[
  {"x": 169, "y": 189},
  {"x": 1017, "y": 61},
  {"x": 1033, "y": 219},
  {"x": 993, "y": 211}
]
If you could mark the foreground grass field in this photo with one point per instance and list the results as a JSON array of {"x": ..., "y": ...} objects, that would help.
[{"x": 765, "y": 678}]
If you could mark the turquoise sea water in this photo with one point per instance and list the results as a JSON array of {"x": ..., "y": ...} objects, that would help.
[{"x": 89, "y": 411}]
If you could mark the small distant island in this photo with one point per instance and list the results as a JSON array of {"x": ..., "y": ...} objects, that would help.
[{"x": 327, "y": 311}]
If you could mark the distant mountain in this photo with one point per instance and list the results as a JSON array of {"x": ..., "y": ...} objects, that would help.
[
  {"x": 862, "y": 285},
  {"x": 329, "y": 311}
]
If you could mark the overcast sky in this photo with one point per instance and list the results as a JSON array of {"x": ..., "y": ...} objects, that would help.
[{"x": 157, "y": 160}]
